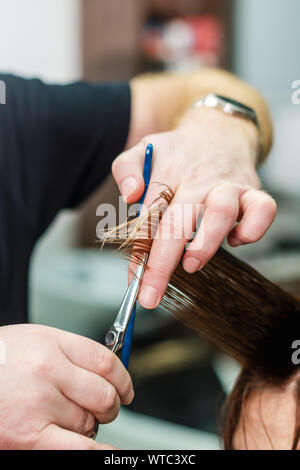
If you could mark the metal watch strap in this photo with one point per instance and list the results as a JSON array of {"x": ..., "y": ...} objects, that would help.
[{"x": 232, "y": 108}]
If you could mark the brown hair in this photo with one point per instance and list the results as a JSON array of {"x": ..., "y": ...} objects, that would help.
[
  {"x": 234, "y": 307},
  {"x": 247, "y": 317}
]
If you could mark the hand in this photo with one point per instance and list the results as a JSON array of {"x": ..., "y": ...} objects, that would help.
[
  {"x": 209, "y": 159},
  {"x": 54, "y": 385}
]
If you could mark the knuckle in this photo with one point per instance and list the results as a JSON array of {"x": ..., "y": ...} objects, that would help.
[
  {"x": 156, "y": 270},
  {"x": 41, "y": 367},
  {"x": 79, "y": 419},
  {"x": 40, "y": 334},
  {"x": 129, "y": 394},
  {"x": 105, "y": 361},
  {"x": 247, "y": 237},
  {"x": 43, "y": 363},
  {"x": 90, "y": 423},
  {"x": 269, "y": 205},
  {"x": 127, "y": 390},
  {"x": 170, "y": 226},
  {"x": 224, "y": 210},
  {"x": 84, "y": 421},
  {"x": 109, "y": 417},
  {"x": 109, "y": 399},
  {"x": 115, "y": 164},
  {"x": 39, "y": 397}
]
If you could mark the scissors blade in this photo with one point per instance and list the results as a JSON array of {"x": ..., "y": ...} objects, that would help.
[{"x": 115, "y": 336}]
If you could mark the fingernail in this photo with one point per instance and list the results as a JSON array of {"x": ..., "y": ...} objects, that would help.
[
  {"x": 148, "y": 297},
  {"x": 127, "y": 186},
  {"x": 192, "y": 264}
]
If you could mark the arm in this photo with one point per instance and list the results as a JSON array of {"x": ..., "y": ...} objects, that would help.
[
  {"x": 56, "y": 144},
  {"x": 209, "y": 160},
  {"x": 158, "y": 101}
]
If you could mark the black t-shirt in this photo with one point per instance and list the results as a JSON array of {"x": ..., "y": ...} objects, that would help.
[{"x": 56, "y": 145}]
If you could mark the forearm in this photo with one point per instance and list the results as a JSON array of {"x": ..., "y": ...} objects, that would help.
[{"x": 160, "y": 100}]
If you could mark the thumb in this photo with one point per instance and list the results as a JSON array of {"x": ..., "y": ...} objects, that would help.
[{"x": 127, "y": 170}]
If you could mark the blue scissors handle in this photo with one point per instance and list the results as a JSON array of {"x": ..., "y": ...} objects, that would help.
[
  {"x": 122, "y": 330},
  {"x": 129, "y": 333}
]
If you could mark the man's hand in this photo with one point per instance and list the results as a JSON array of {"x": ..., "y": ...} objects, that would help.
[
  {"x": 209, "y": 159},
  {"x": 54, "y": 385}
]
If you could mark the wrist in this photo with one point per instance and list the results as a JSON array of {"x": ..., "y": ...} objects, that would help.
[
  {"x": 156, "y": 100},
  {"x": 242, "y": 132}
]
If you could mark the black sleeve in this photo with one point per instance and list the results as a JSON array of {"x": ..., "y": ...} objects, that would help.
[
  {"x": 58, "y": 142},
  {"x": 56, "y": 145}
]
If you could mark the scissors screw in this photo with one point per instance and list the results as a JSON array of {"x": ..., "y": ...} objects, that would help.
[{"x": 110, "y": 338}]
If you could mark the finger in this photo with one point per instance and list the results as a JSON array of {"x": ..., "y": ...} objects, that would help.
[
  {"x": 91, "y": 392},
  {"x": 221, "y": 212},
  {"x": 94, "y": 357},
  {"x": 175, "y": 228},
  {"x": 127, "y": 170},
  {"x": 150, "y": 227},
  {"x": 69, "y": 415},
  {"x": 258, "y": 212},
  {"x": 154, "y": 190},
  {"x": 55, "y": 438}
]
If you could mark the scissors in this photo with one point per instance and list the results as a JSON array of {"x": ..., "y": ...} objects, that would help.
[
  {"x": 114, "y": 338},
  {"x": 119, "y": 334}
]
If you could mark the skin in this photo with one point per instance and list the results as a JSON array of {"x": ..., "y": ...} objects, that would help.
[
  {"x": 269, "y": 420},
  {"x": 54, "y": 385},
  {"x": 208, "y": 158}
]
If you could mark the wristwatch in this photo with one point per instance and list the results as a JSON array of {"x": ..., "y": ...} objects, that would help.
[
  {"x": 233, "y": 108},
  {"x": 228, "y": 106}
]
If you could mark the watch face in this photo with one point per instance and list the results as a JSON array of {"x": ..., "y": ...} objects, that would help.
[{"x": 236, "y": 103}]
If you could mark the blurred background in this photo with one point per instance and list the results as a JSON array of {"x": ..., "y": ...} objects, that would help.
[{"x": 180, "y": 381}]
